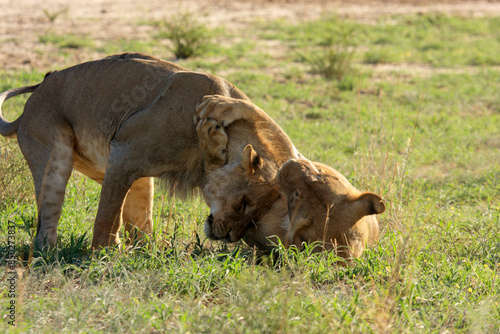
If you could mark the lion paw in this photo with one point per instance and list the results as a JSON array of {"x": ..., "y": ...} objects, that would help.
[
  {"x": 223, "y": 109},
  {"x": 213, "y": 143}
]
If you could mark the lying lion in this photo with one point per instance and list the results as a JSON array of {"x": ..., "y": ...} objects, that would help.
[
  {"x": 125, "y": 119},
  {"x": 323, "y": 206},
  {"x": 307, "y": 201}
]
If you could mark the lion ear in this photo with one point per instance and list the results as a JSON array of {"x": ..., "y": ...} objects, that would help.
[
  {"x": 369, "y": 204},
  {"x": 250, "y": 160}
]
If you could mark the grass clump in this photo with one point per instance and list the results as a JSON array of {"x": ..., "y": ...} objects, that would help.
[
  {"x": 53, "y": 15},
  {"x": 334, "y": 56},
  {"x": 188, "y": 36},
  {"x": 332, "y": 62}
]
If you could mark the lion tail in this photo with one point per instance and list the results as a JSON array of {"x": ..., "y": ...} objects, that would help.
[{"x": 9, "y": 129}]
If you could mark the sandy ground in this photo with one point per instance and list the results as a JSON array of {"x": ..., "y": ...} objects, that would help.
[{"x": 23, "y": 21}]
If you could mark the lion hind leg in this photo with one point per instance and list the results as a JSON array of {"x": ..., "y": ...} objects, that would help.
[
  {"x": 138, "y": 209},
  {"x": 213, "y": 144},
  {"x": 51, "y": 169}
]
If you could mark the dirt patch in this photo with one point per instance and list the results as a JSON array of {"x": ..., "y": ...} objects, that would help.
[{"x": 22, "y": 22}]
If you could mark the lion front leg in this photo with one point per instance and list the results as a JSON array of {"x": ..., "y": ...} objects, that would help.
[
  {"x": 227, "y": 110},
  {"x": 213, "y": 144},
  {"x": 115, "y": 186}
]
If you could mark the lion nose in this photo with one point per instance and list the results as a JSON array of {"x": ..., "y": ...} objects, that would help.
[{"x": 210, "y": 219}]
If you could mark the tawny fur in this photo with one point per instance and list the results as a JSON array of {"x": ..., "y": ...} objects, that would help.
[
  {"x": 120, "y": 120},
  {"x": 127, "y": 118},
  {"x": 242, "y": 189},
  {"x": 269, "y": 193}
]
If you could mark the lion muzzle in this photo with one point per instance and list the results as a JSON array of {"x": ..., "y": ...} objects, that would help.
[{"x": 217, "y": 229}]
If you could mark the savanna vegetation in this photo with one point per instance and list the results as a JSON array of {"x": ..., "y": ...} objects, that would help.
[{"x": 407, "y": 106}]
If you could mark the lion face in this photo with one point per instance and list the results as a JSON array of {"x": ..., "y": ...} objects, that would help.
[
  {"x": 239, "y": 195},
  {"x": 323, "y": 206}
]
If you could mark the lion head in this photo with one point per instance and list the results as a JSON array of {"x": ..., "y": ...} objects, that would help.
[
  {"x": 323, "y": 206},
  {"x": 239, "y": 195},
  {"x": 301, "y": 202}
]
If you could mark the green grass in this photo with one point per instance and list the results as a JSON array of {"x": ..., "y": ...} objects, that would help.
[
  {"x": 66, "y": 41},
  {"x": 435, "y": 39},
  {"x": 428, "y": 143}
]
